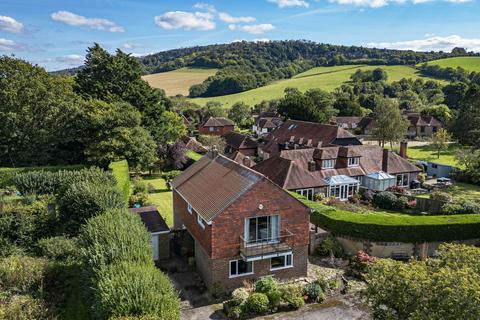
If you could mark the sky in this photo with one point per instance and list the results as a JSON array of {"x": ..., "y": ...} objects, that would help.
[{"x": 56, "y": 33}]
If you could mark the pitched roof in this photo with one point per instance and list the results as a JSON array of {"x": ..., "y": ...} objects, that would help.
[
  {"x": 290, "y": 168},
  {"x": 239, "y": 141},
  {"x": 218, "y": 122},
  {"x": 192, "y": 144},
  {"x": 417, "y": 119},
  {"x": 309, "y": 134},
  {"x": 213, "y": 183},
  {"x": 152, "y": 219},
  {"x": 239, "y": 157}
]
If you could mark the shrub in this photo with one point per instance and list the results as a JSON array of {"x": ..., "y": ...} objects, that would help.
[
  {"x": 140, "y": 187},
  {"x": 257, "y": 303},
  {"x": 296, "y": 302},
  {"x": 401, "y": 203},
  {"x": 313, "y": 291},
  {"x": 139, "y": 198},
  {"x": 385, "y": 200},
  {"x": 235, "y": 313},
  {"x": 269, "y": 286},
  {"x": 23, "y": 307},
  {"x": 240, "y": 295},
  {"x": 135, "y": 289},
  {"x": 84, "y": 200},
  {"x": 59, "y": 248},
  {"x": 422, "y": 177},
  {"x": 441, "y": 196},
  {"x": 115, "y": 236},
  {"x": 398, "y": 189},
  {"x": 169, "y": 176},
  {"x": 216, "y": 290},
  {"x": 464, "y": 207},
  {"x": 330, "y": 246},
  {"x": 22, "y": 275},
  {"x": 291, "y": 295}
]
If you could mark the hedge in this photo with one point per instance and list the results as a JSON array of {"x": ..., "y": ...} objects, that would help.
[
  {"x": 121, "y": 172},
  {"x": 7, "y": 174},
  {"x": 395, "y": 227}
]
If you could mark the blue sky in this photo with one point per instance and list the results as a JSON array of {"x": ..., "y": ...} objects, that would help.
[{"x": 55, "y": 33}]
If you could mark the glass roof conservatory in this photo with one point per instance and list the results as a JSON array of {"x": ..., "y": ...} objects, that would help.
[
  {"x": 341, "y": 187},
  {"x": 379, "y": 181}
]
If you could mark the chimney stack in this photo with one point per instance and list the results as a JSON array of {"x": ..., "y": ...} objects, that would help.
[
  {"x": 213, "y": 152},
  {"x": 312, "y": 165},
  {"x": 403, "y": 149},
  {"x": 385, "y": 160},
  {"x": 247, "y": 162}
]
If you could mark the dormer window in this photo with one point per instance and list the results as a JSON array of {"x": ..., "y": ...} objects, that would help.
[
  {"x": 328, "y": 164},
  {"x": 354, "y": 161}
]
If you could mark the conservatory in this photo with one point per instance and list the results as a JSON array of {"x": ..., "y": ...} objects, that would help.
[
  {"x": 379, "y": 181},
  {"x": 341, "y": 187}
]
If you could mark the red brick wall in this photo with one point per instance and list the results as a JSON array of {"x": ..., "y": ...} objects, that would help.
[
  {"x": 181, "y": 215},
  {"x": 229, "y": 226},
  {"x": 218, "y": 131}
]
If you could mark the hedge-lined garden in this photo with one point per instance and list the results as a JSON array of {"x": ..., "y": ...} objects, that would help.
[
  {"x": 7, "y": 174},
  {"x": 121, "y": 172},
  {"x": 394, "y": 227}
]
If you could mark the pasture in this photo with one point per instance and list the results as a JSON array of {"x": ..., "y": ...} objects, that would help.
[
  {"x": 326, "y": 78},
  {"x": 467, "y": 63},
  {"x": 178, "y": 81}
]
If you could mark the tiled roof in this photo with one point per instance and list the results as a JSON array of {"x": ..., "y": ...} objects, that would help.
[
  {"x": 239, "y": 141},
  {"x": 417, "y": 119},
  {"x": 210, "y": 185},
  {"x": 194, "y": 145},
  {"x": 239, "y": 157},
  {"x": 218, "y": 122},
  {"x": 152, "y": 219}
]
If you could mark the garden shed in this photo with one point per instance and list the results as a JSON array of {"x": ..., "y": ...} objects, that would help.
[
  {"x": 158, "y": 229},
  {"x": 379, "y": 181}
]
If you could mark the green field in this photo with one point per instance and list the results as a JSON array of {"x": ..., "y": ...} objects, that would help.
[
  {"x": 326, "y": 78},
  {"x": 427, "y": 153},
  {"x": 467, "y": 63},
  {"x": 162, "y": 198},
  {"x": 460, "y": 192},
  {"x": 178, "y": 81}
]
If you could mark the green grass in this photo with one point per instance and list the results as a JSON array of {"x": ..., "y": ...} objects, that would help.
[
  {"x": 461, "y": 192},
  {"x": 467, "y": 63},
  {"x": 121, "y": 173},
  {"x": 193, "y": 155},
  {"x": 427, "y": 153},
  {"x": 326, "y": 78},
  {"x": 162, "y": 198}
]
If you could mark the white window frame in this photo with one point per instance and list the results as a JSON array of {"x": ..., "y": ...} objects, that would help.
[
  {"x": 353, "y": 161},
  {"x": 247, "y": 226},
  {"x": 189, "y": 208},
  {"x": 306, "y": 193},
  {"x": 285, "y": 266},
  {"x": 239, "y": 275},
  {"x": 211, "y": 129},
  {"x": 331, "y": 163},
  {"x": 200, "y": 221},
  {"x": 405, "y": 177}
]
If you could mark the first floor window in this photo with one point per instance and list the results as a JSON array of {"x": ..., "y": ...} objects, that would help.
[
  {"x": 328, "y": 164},
  {"x": 240, "y": 268},
  {"x": 354, "y": 161},
  {"x": 200, "y": 221},
  {"x": 189, "y": 208},
  {"x": 281, "y": 262}
]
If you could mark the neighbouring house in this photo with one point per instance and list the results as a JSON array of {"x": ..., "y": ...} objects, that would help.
[
  {"x": 348, "y": 123},
  {"x": 338, "y": 171},
  {"x": 217, "y": 126},
  {"x": 158, "y": 229},
  {"x": 266, "y": 122},
  {"x": 244, "y": 226},
  {"x": 240, "y": 158},
  {"x": 295, "y": 134},
  {"x": 192, "y": 144},
  {"x": 422, "y": 125},
  {"x": 240, "y": 142},
  {"x": 437, "y": 170}
]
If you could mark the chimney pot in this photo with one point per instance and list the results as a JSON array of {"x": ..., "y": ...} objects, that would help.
[
  {"x": 246, "y": 162},
  {"x": 312, "y": 165}
]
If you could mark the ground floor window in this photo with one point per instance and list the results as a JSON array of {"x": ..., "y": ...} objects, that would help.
[
  {"x": 240, "y": 268},
  {"x": 307, "y": 193},
  {"x": 281, "y": 262},
  {"x": 344, "y": 191},
  {"x": 402, "y": 179}
]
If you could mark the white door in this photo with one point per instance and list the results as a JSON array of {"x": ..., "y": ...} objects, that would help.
[
  {"x": 344, "y": 192},
  {"x": 155, "y": 247}
]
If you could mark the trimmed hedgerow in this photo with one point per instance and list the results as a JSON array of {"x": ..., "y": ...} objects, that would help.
[
  {"x": 136, "y": 289},
  {"x": 395, "y": 227},
  {"x": 7, "y": 174}
]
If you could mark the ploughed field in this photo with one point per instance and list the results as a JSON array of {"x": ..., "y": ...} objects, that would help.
[
  {"x": 326, "y": 78},
  {"x": 467, "y": 63},
  {"x": 178, "y": 81}
]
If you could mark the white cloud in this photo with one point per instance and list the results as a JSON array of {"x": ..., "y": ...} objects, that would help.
[
  {"x": 8, "y": 24},
  {"x": 205, "y": 6},
  {"x": 130, "y": 45},
  {"x": 7, "y": 45},
  {"x": 290, "y": 3},
  {"x": 253, "y": 28},
  {"x": 383, "y": 3},
  {"x": 185, "y": 20},
  {"x": 435, "y": 43},
  {"x": 73, "y": 19},
  {"x": 262, "y": 40},
  {"x": 71, "y": 59},
  {"x": 225, "y": 17}
]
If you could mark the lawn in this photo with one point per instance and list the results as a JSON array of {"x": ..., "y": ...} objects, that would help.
[
  {"x": 461, "y": 191},
  {"x": 178, "y": 81},
  {"x": 162, "y": 198},
  {"x": 326, "y": 78},
  {"x": 193, "y": 155},
  {"x": 467, "y": 63},
  {"x": 427, "y": 153}
]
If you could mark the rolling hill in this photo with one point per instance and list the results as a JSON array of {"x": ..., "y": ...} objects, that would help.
[
  {"x": 178, "y": 81},
  {"x": 467, "y": 63},
  {"x": 326, "y": 78}
]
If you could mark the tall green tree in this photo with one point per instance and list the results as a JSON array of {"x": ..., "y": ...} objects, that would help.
[
  {"x": 241, "y": 114},
  {"x": 314, "y": 105},
  {"x": 439, "y": 141},
  {"x": 466, "y": 126},
  {"x": 390, "y": 125}
]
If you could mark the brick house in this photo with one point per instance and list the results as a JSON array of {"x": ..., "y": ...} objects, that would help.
[
  {"x": 240, "y": 142},
  {"x": 217, "y": 126},
  {"x": 244, "y": 226},
  {"x": 266, "y": 122}
]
